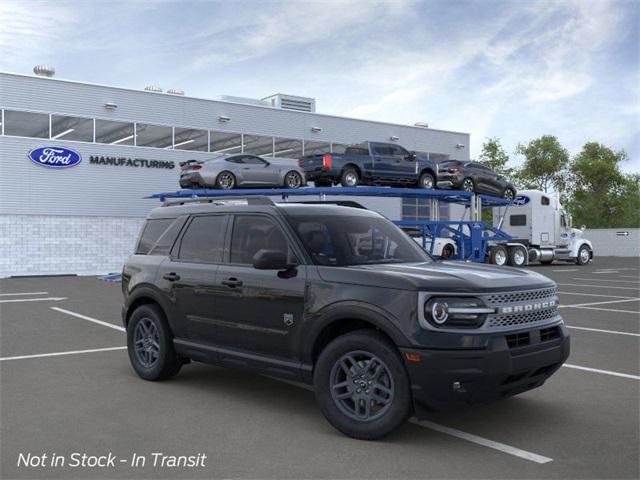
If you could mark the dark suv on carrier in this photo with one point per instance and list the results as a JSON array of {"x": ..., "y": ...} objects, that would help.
[{"x": 339, "y": 298}]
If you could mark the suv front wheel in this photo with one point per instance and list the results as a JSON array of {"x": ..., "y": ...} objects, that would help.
[
  {"x": 150, "y": 344},
  {"x": 362, "y": 386}
]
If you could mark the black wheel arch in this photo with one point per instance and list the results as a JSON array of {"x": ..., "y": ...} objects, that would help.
[
  {"x": 354, "y": 167},
  {"x": 144, "y": 295},
  {"x": 430, "y": 171},
  {"x": 345, "y": 318}
]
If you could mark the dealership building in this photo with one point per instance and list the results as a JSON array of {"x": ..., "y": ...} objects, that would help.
[{"x": 84, "y": 219}]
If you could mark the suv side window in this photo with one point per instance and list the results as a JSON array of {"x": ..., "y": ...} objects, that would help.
[
  {"x": 252, "y": 233},
  {"x": 203, "y": 241},
  {"x": 398, "y": 151},
  {"x": 152, "y": 231}
]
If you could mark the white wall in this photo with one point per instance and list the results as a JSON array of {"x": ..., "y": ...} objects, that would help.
[
  {"x": 608, "y": 242},
  {"x": 51, "y": 245}
]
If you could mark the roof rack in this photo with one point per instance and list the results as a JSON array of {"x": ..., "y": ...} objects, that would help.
[{"x": 250, "y": 200}]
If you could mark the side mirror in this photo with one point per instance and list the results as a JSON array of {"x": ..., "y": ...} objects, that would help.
[
  {"x": 270, "y": 260},
  {"x": 411, "y": 156}
]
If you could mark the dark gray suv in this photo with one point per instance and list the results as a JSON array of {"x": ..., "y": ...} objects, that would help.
[{"x": 339, "y": 298}]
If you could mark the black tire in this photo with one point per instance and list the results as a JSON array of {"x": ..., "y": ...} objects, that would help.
[
  {"x": 349, "y": 177},
  {"x": 167, "y": 364},
  {"x": 389, "y": 416},
  {"x": 584, "y": 255},
  {"x": 468, "y": 185},
  {"x": 226, "y": 180},
  {"x": 427, "y": 181},
  {"x": 293, "y": 180},
  {"x": 517, "y": 256},
  {"x": 509, "y": 194},
  {"x": 499, "y": 255},
  {"x": 448, "y": 251}
]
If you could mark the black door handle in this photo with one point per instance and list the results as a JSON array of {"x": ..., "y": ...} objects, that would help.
[
  {"x": 172, "y": 276},
  {"x": 232, "y": 282}
]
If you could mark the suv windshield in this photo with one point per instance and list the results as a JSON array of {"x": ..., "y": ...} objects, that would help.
[{"x": 341, "y": 240}]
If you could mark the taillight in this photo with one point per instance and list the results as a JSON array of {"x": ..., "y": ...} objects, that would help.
[
  {"x": 454, "y": 170},
  {"x": 196, "y": 167},
  {"x": 299, "y": 163},
  {"x": 326, "y": 161}
]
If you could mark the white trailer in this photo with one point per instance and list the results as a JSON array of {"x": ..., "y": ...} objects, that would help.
[{"x": 538, "y": 223}]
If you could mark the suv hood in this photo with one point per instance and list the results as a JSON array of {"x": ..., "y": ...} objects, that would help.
[{"x": 446, "y": 276}]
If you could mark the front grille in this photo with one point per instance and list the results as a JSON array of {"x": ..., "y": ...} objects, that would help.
[
  {"x": 516, "y": 340},
  {"x": 550, "y": 333},
  {"x": 516, "y": 297},
  {"x": 523, "y": 318}
]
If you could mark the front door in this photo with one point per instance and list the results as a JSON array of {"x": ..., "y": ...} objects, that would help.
[
  {"x": 258, "y": 310},
  {"x": 257, "y": 171}
]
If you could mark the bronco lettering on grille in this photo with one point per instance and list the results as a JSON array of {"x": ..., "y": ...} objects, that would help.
[{"x": 528, "y": 307}]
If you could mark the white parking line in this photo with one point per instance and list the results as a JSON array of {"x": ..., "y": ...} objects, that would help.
[
  {"x": 604, "y": 331},
  {"x": 453, "y": 432},
  {"x": 628, "y": 276},
  {"x": 57, "y": 354},
  {"x": 516, "y": 452},
  {"x": 605, "y": 280},
  {"x": 593, "y": 295},
  {"x": 18, "y": 300},
  {"x": 567, "y": 270},
  {"x": 610, "y": 310},
  {"x": 598, "y": 286},
  {"x": 89, "y": 319},
  {"x": 599, "y": 303},
  {"x": 23, "y": 293},
  {"x": 606, "y": 372}
]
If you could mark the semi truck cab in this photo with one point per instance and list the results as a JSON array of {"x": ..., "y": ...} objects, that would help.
[{"x": 539, "y": 221}]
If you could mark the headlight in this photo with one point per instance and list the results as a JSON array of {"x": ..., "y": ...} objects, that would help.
[{"x": 456, "y": 312}]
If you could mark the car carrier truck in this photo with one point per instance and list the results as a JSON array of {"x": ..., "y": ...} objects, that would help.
[{"x": 539, "y": 228}]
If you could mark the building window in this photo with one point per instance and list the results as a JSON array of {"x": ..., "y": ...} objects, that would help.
[
  {"x": 287, "y": 148},
  {"x": 258, "y": 145},
  {"x": 157, "y": 136},
  {"x": 71, "y": 128},
  {"x": 26, "y": 124},
  {"x": 191, "y": 139},
  {"x": 225, "y": 143},
  {"x": 114, "y": 133},
  {"x": 313, "y": 148}
]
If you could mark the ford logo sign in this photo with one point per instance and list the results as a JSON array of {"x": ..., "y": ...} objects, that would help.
[
  {"x": 521, "y": 200},
  {"x": 55, "y": 157}
]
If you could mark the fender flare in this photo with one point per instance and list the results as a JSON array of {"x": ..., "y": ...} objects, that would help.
[
  {"x": 578, "y": 244},
  {"x": 140, "y": 292},
  {"x": 351, "y": 310}
]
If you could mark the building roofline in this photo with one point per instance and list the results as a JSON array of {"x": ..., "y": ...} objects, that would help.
[{"x": 231, "y": 103}]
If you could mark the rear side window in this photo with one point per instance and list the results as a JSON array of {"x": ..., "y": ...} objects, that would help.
[
  {"x": 152, "y": 231},
  {"x": 203, "y": 240},
  {"x": 544, "y": 201},
  {"x": 518, "y": 220},
  {"x": 168, "y": 238},
  {"x": 357, "y": 151}
]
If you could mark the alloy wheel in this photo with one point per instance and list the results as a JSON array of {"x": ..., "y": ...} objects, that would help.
[
  {"x": 467, "y": 185},
  {"x": 146, "y": 341},
  {"x": 362, "y": 386},
  {"x": 351, "y": 179},
  {"x": 508, "y": 194},
  {"x": 226, "y": 181},
  {"x": 293, "y": 180}
]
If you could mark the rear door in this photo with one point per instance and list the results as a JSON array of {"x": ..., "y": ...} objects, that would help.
[
  {"x": 257, "y": 311},
  {"x": 189, "y": 275}
]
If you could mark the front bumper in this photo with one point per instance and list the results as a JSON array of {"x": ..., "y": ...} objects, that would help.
[{"x": 450, "y": 379}]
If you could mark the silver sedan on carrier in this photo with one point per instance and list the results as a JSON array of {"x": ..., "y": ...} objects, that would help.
[{"x": 241, "y": 170}]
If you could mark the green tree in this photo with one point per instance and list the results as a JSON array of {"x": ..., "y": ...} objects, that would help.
[
  {"x": 494, "y": 156},
  {"x": 600, "y": 195},
  {"x": 545, "y": 164}
]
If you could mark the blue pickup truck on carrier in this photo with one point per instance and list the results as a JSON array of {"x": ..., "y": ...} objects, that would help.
[{"x": 371, "y": 163}]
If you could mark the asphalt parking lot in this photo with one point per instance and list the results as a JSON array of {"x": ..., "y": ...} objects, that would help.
[{"x": 66, "y": 386}]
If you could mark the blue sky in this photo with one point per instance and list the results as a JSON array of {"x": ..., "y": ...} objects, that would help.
[{"x": 514, "y": 70}]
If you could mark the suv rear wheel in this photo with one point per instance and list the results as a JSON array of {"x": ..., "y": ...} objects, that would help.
[
  {"x": 150, "y": 344},
  {"x": 362, "y": 386}
]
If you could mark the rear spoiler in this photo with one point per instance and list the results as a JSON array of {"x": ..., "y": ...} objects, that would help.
[{"x": 188, "y": 162}]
